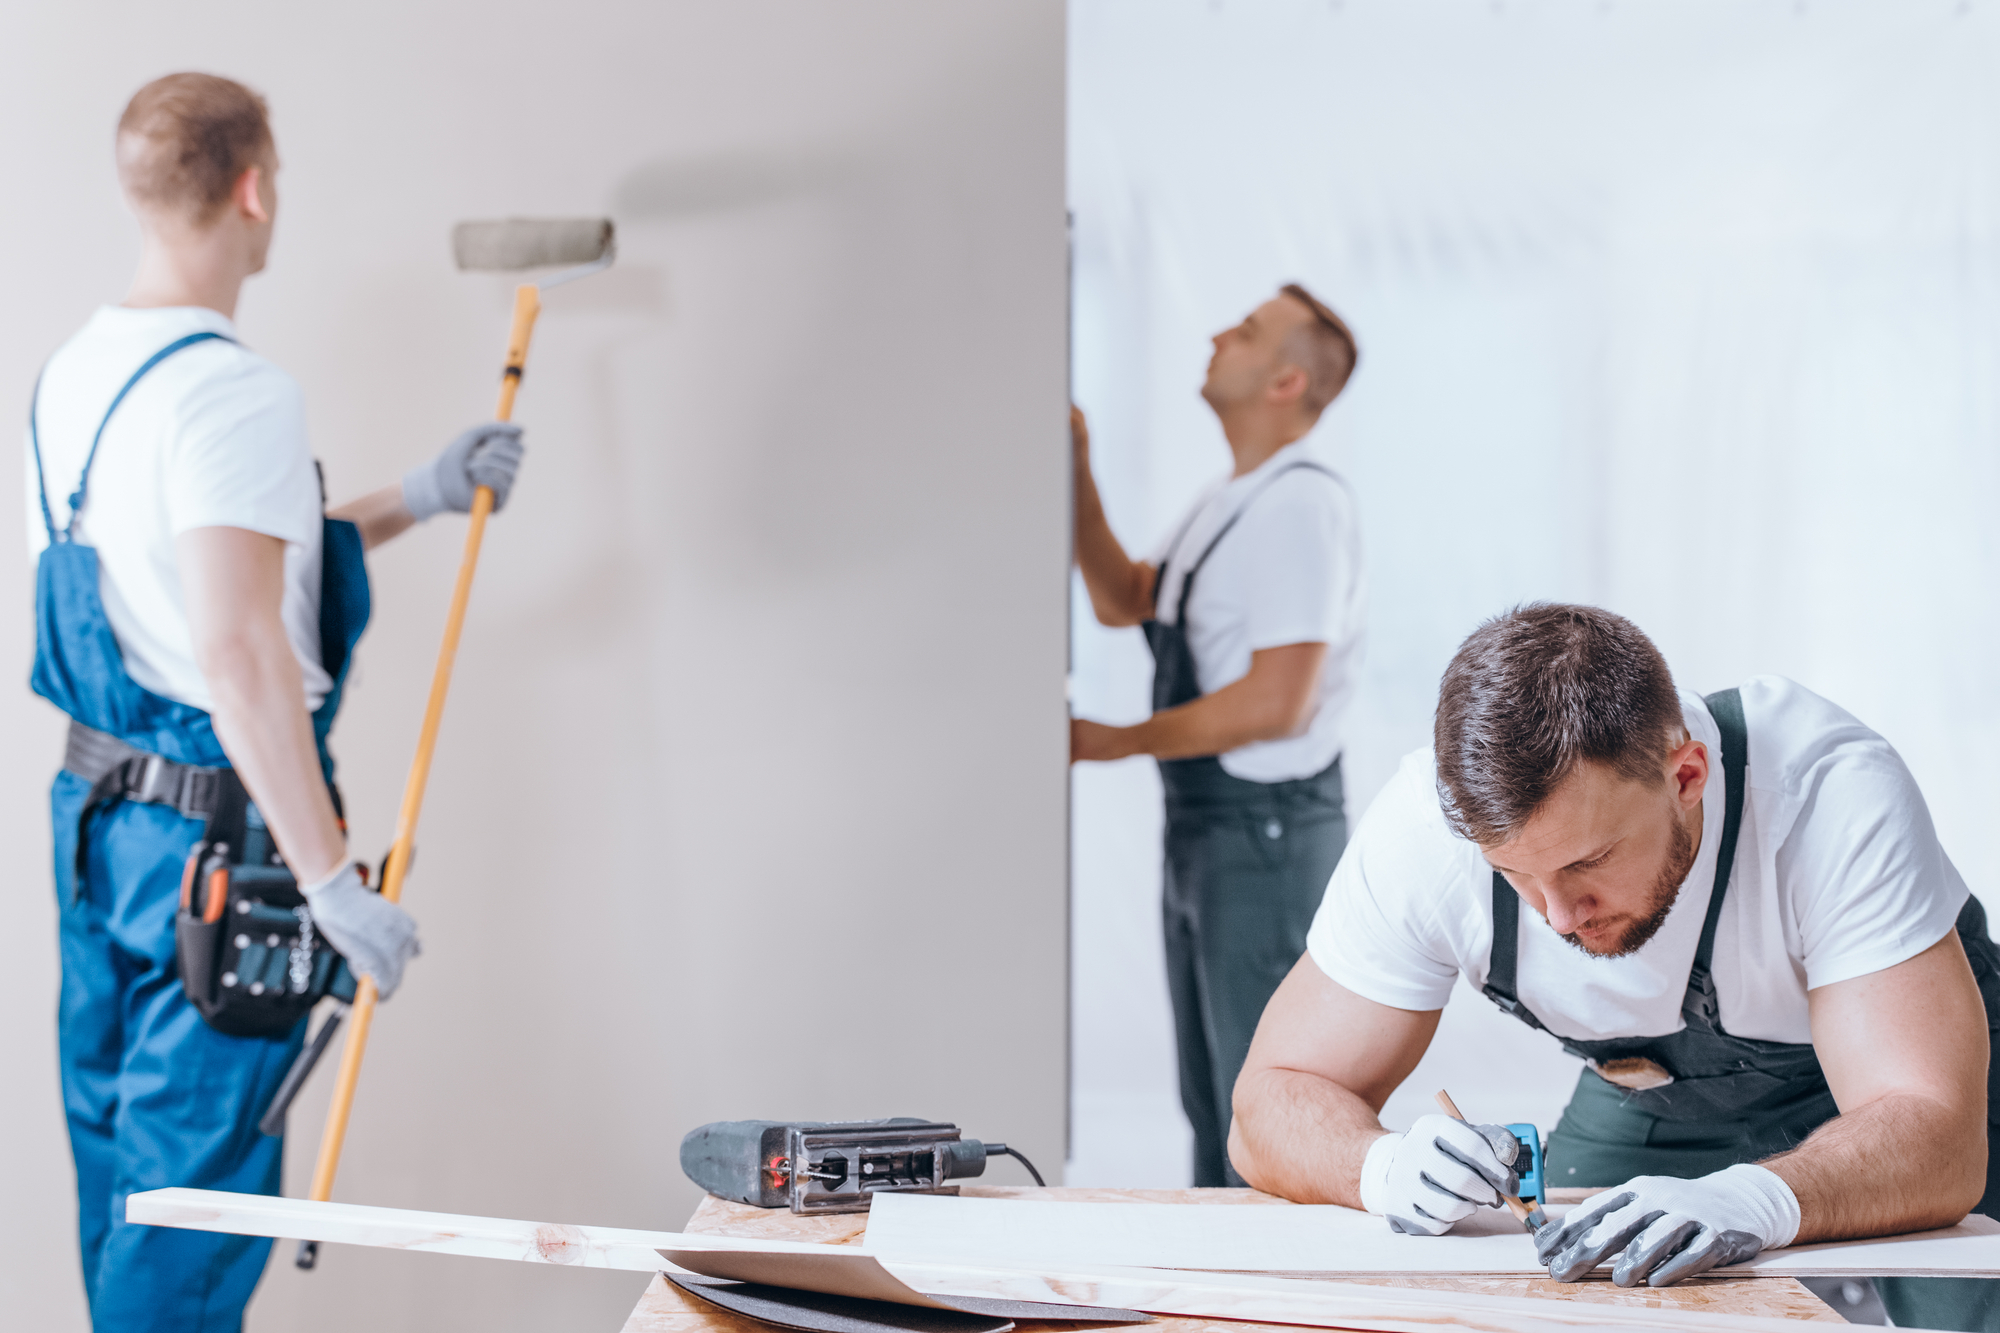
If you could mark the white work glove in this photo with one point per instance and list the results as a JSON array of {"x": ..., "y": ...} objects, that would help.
[
  {"x": 1663, "y": 1229},
  {"x": 488, "y": 455},
  {"x": 376, "y": 936},
  {"x": 1429, "y": 1178}
]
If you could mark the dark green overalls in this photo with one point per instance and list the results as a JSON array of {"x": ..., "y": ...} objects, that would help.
[
  {"x": 1733, "y": 1099},
  {"x": 1246, "y": 866}
]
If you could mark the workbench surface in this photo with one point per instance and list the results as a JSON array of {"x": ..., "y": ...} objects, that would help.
[{"x": 663, "y": 1309}]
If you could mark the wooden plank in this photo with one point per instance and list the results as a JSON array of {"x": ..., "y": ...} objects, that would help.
[
  {"x": 1780, "y": 1298},
  {"x": 665, "y": 1309},
  {"x": 1400, "y": 1308}
]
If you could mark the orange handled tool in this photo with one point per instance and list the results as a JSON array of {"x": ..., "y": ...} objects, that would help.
[
  {"x": 502, "y": 245},
  {"x": 527, "y": 305}
]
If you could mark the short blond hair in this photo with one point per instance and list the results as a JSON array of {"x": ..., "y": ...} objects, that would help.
[{"x": 186, "y": 139}]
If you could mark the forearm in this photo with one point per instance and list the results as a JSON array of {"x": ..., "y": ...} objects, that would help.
[
  {"x": 1215, "y": 723},
  {"x": 261, "y": 720},
  {"x": 1905, "y": 1052},
  {"x": 1904, "y": 1162},
  {"x": 1238, "y": 714},
  {"x": 1273, "y": 699},
  {"x": 1300, "y": 1136},
  {"x": 1121, "y": 591},
  {"x": 379, "y": 514},
  {"x": 1322, "y": 1063}
]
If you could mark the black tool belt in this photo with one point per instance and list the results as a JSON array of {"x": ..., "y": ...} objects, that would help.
[
  {"x": 250, "y": 959},
  {"x": 118, "y": 772}
]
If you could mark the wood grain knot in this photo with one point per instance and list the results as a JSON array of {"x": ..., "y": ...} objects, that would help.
[{"x": 557, "y": 1243}]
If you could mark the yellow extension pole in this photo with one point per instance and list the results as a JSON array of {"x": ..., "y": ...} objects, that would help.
[{"x": 527, "y": 305}]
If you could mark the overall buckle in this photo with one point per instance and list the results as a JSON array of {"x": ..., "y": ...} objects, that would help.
[{"x": 146, "y": 788}]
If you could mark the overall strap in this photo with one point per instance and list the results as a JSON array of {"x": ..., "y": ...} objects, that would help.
[
  {"x": 1160, "y": 574},
  {"x": 35, "y": 442},
  {"x": 1501, "y": 966},
  {"x": 83, "y": 478},
  {"x": 1187, "y": 583},
  {"x": 1726, "y": 707}
]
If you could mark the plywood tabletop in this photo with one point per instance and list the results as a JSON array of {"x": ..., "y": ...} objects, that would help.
[{"x": 663, "y": 1309}]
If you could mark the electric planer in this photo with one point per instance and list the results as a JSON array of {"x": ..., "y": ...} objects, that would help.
[{"x": 833, "y": 1166}]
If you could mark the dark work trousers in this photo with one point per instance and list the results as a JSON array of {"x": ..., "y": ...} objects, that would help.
[
  {"x": 1246, "y": 866},
  {"x": 1247, "y": 863}
]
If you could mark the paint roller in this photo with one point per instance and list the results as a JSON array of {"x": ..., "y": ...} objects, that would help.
[{"x": 577, "y": 247}]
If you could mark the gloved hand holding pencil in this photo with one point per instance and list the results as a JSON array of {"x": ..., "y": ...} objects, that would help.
[{"x": 1437, "y": 1173}]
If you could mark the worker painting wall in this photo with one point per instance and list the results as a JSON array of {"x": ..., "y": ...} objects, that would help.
[
  {"x": 1714, "y": 279},
  {"x": 749, "y": 800}
]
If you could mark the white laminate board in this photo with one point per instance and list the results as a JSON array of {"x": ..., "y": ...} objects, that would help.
[
  {"x": 438, "y": 1233},
  {"x": 1264, "y": 1299},
  {"x": 1970, "y": 1249},
  {"x": 1021, "y": 1233},
  {"x": 837, "y": 1270}
]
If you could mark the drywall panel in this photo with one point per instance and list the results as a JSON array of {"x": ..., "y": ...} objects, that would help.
[{"x": 750, "y": 796}]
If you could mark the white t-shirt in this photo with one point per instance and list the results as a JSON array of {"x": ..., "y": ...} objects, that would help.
[
  {"x": 1288, "y": 572},
  {"x": 214, "y": 436},
  {"x": 1838, "y": 873}
]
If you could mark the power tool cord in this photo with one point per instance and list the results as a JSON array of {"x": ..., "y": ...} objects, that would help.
[{"x": 1002, "y": 1150}]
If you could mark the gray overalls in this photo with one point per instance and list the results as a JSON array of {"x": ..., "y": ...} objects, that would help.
[
  {"x": 1246, "y": 866},
  {"x": 1733, "y": 1099}
]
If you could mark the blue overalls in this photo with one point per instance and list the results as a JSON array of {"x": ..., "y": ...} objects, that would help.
[
  {"x": 1734, "y": 1099},
  {"x": 1246, "y": 866},
  {"x": 153, "y": 1095}
]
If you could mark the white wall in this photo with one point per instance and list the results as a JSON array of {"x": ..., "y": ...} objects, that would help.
[
  {"x": 1689, "y": 310},
  {"x": 749, "y": 800}
]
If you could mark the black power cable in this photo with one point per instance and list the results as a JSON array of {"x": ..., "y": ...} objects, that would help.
[{"x": 1002, "y": 1150}]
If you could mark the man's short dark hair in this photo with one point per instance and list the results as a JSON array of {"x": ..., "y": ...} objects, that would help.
[
  {"x": 1533, "y": 693},
  {"x": 1324, "y": 347},
  {"x": 186, "y": 139}
]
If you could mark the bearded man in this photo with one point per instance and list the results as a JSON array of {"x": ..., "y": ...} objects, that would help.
[{"x": 1740, "y": 918}]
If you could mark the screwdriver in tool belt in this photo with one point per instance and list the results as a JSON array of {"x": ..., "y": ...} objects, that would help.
[{"x": 1531, "y": 1215}]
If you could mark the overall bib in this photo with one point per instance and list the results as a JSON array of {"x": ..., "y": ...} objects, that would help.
[
  {"x": 1246, "y": 866},
  {"x": 153, "y": 1095},
  {"x": 1732, "y": 1099}
]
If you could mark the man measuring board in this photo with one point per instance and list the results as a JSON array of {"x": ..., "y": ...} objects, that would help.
[
  {"x": 1253, "y": 610},
  {"x": 1738, "y": 913},
  {"x": 196, "y": 612}
]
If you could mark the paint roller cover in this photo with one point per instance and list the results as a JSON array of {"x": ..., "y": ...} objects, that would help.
[{"x": 530, "y": 242}]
